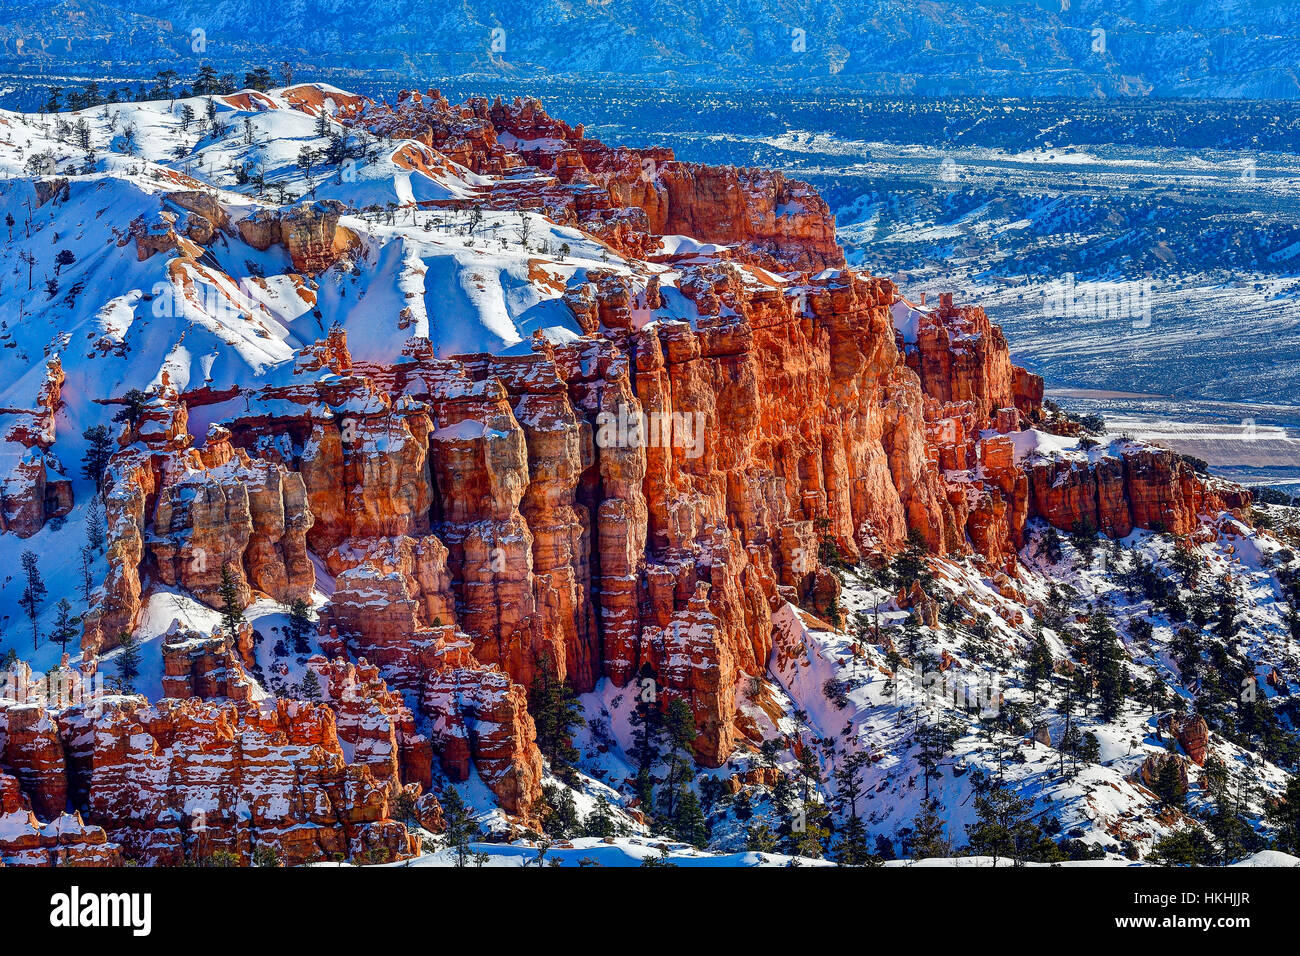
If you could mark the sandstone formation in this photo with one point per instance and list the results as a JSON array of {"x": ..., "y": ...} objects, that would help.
[
  {"x": 633, "y": 503},
  {"x": 625, "y": 196},
  {"x": 35, "y": 490},
  {"x": 310, "y": 232},
  {"x": 64, "y": 841},
  {"x": 1192, "y": 734},
  {"x": 185, "y": 779}
]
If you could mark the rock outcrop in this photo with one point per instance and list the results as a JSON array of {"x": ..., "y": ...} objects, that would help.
[
  {"x": 36, "y": 488},
  {"x": 626, "y": 196},
  {"x": 187, "y": 779},
  {"x": 310, "y": 232},
  {"x": 64, "y": 841},
  {"x": 632, "y": 503},
  {"x": 189, "y": 515}
]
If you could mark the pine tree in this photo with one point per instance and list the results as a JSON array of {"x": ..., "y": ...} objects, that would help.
[
  {"x": 95, "y": 533},
  {"x": 910, "y": 566},
  {"x": 259, "y": 78},
  {"x": 560, "y": 816},
  {"x": 134, "y": 403},
  {"x": 128, "y": 660},
  {"x": 1226, "y": 623},
  {"x": 87, "y": 582},
  {"x": 461, "y": 828},
  {"x": 689, "y": 824},
  {"x": 556, "y": 712},
  {"x": 600, "y": 822},
  {"x": 646, "y": 720},
  {"x": 1285, "y": 815},
  {"x": 1041, "y": 664},
  {"x": 1187, "y": 653},
  {"x": 808, "y": 833},
  {"x": 848, "y": 782},
  {"x": 1169, "y": 785},
  {"x": 66, "y": 625},
  {"x": 679, "y": 736},
  {"x": 1049, "y": 546},
  {"x": 1187, "y": 846},
  {"x": 311, "y": 689},
  {"x": 1232, "y": 832},
  {"x": 34, "y": 591},
  {"x": 810, "y": 771},
  {"x": 1111, "y": 676},
  {"x": 1002, "y": 826},
  {"x": 232, "y": 610},
  {"x": 298, "y": 626},
  {"x": 99, "y": 448},
  {"x": 851, "y": 849},
  {"x": 933, "y": 741},
  {"x": 760, "y": 839},
  {"x": 927, "y": 839}
]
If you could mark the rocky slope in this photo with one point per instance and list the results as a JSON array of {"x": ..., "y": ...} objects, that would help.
[{"x": 504, "y": 404}]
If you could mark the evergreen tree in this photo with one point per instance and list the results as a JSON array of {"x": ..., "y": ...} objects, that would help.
[
  {"x": 311, "y": 689},
  {"x": 461, "y": 828},
  {"x": 851, "y": 849},
  {"x": 689, "y": 824},
  {"x": 1232, "y": 832},
  {"x": 34, "y": 591},
  {"x": 1111, "y": 676},
  {"x": 1187, "y": 653},
  {"x": 679, "y": 739},
  {"x": 134, "y": 403},
  {"x": 646, "y": 721},
  {"x": 128, "y": 660},
  {"x": 560, "y": 816},
  {"x": 1002, "y": 826},
  {"x": 87, "y": 582},
  {"x": 95, "y": 533},
  {"x": 1188, "y": 563},
  {"x": 298, "y": 626},
  {"x": 99, "y": 448},
  {"x": 556, "y": 712},
  {"x": 1041, "y": 664},
  {"x": 66, "y": 626},
  {"x": 933, "y": 742},
  {"x": 1285, "y": 815},
  {"x": 1169, "y": 785},
  {"x": 808, "y": 832},
  {"x": 600, "y": 821},
  {"x": 1049, "y": 546},
  {"x": 1187, "y": 846},
  {"x": 1226, "y": 624},
  {"x": 910, "y": 566},
  {"x": 760, "y": 839},
  {"x": 810, "y": 771},
  {"x": 259, "y": 78},
  {"x": 232, "y": 610},
  {"x": 927, "y": 839}
]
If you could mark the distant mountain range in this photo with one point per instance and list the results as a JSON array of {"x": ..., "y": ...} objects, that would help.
[{"x": 1227, "y": 48}]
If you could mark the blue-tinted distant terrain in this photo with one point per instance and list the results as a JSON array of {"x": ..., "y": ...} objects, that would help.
[{"x": 1221, "y": 48}]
